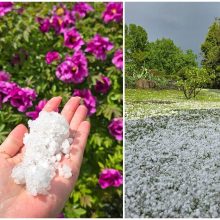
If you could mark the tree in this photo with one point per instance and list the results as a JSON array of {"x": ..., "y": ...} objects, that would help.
[
  {"x": 192, "y": 80},
  {"x": 136, "y": 41},
  {"x": 211, "y": 52},
  {"x": 165, "y": 56}
]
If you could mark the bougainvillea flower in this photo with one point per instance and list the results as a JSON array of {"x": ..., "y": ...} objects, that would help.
[
  {"x": 52, "y": 56},
  {"x": 34, "y": 114},
  {"x": 5, "y": 7},
  {"x": 21, "y": 98},
  {"x": 99, "y": 46},
  {"x": 82, "y": 8},
  {"x": 113, "y": 12},
  {"x": 110, "y": 177},
  {"x": 4, "y": 76},
  {"x": 88, "y": 99},
  {"x": 118, "y": 59},
  {"x": 103, "y": 84},
  {"x": 116, "y": 128},
  {"x": 59, "y": 10},
  {"x": 72, "y": 39},
  {"x": 45, "y": 24},
  {"x": 74, "y": 69}
]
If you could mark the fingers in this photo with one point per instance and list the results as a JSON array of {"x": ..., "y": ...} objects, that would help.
[
  {"x": 14, "y": 141},
  {"x": 70, "y": 108},
  {"x": 78, "y": 147},
  {"x": 79, "y": 116},
  {"x": 52, "y": 104}
]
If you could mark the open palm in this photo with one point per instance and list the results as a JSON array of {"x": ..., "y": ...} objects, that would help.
[{"x": 15, "y": 201}]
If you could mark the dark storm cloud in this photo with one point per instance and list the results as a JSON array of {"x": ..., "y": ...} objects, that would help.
[{"x": 186, "y": 23}]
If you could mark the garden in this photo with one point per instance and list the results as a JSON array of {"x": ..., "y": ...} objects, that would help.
[
  {"x": 172, "y": 114},
  {"x": 69, "y": 49}
]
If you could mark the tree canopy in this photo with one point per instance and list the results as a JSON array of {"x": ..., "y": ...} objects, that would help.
[
  {"x": 211, "y": 52},
  {"x": 162, "y": 55}
]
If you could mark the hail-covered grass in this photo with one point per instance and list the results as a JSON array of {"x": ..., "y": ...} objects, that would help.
[
  {"x": 146, "y": 103},
  {"x": 172, "y": 164}
]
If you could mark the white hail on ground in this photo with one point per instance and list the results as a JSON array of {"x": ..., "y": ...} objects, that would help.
[{"x": 173, "y": 165}]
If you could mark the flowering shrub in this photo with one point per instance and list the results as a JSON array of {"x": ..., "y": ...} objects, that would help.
[{"x": 69, "y": 49}]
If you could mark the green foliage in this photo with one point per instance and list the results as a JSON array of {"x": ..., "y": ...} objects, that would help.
[
  {"x": 161, "y": 55},
  {"x": 211, "y": 52},
  {"x": 192, "y": 80},
  {"x": 136, "y": 42},
  {"x": 165, "y": 56},
  {"x": 21, "y": 32}
]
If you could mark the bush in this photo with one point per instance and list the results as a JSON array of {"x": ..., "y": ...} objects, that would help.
[
  {"x": 133, "y": 74},
  {"x": 192, "y": 80},
  {"x": 68, "y": 31}
]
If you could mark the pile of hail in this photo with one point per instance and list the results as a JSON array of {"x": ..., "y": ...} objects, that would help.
[{"x": 46, "y": 143}]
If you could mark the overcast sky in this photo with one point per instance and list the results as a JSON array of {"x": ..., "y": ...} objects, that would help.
[{"x": 186, "y": 23}]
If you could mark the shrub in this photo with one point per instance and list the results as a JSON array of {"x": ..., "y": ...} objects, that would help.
[
  {"x": 132, "y": 75},
  {"x": 192, "y": 80},
  {"x": 52, "y": 49}
]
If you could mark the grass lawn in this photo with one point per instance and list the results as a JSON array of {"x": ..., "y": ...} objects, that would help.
[{"x": 146, "y": 103}]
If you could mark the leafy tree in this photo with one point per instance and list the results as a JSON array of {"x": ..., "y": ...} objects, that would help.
[
  {"x": 192, "y": 80},
  {"x": 165, "y": 56},
  {"x": 136, "y": 42},
  {"x": 211, "y": 52}
]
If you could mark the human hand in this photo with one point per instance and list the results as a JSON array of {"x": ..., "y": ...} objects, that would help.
[{"x": 15, "y": 201}]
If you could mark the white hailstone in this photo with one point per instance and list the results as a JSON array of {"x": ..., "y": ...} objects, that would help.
[
  {"x": 67, "y": 156},
  {"x": 65, "y": 146},
  {"x": 65, "y": 171},
  {"x": 58, "y": 157},
  {"x": 45, "y": 144},
  {"x": 70, "y": 140}
]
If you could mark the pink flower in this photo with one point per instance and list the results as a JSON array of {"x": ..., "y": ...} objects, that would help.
[
  {"x": 72, "y": 39},
  {"x": 20, "y": 11},
  {"x": 74, "y": 69},
  {"x": 59, "y": 10},
  {"x": 82, "y": 8},
  {"x": 61, "y": 23},
  {"x": 99, "y": 46},
  {"x": 4, "y": 76},
  {"x": 5, "y": 89},
  {"x": 52, "y": 56},
  {"x": 110, "y": 177},
  {"x": 116, "y": 128},
  {"x": 20, "y": 98},
  {"x": 61, "y": 215},
  {"x": 103, "y": 84},
  {"x": 45, "y": 24},
  {"x": 113, "y": 12},
  {"x": 5, "y": 7},
  {"x": 118, "y": 59},
  {"x": 34, "y": 114},
  {"x": 88, "y": 98},
  {"x": 19, "y": 57}
]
